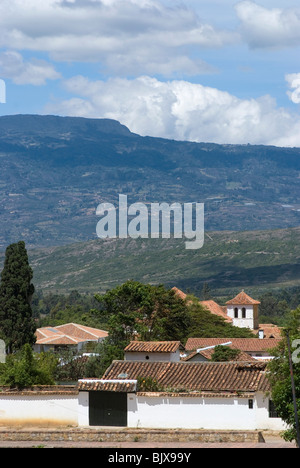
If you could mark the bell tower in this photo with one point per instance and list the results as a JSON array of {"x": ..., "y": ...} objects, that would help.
[{"x": 243, "y": 310}]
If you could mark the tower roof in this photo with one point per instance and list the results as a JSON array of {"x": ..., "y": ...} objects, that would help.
[{"x": 243, "y": 299}]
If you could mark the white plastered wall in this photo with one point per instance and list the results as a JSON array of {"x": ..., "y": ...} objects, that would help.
[{"x": 200, "y": 413}]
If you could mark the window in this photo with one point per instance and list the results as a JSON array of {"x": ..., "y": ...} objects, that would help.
[
  {"x": 272, "y": 410},
  {"x": 244, "y": 312},
  {"x": 236, "y": 312}
]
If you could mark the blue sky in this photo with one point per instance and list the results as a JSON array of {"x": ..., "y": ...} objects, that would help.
[{"x": 220, "y": 71}]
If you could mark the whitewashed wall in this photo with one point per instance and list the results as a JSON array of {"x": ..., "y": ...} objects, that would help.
[
  {"x": 248, "y": 321},
  {"x": 143, "y": 411},
  {"x": 39, "y": 410},
  {"x": 200, "y": 413},
  {"x": 83, "y": 409}
]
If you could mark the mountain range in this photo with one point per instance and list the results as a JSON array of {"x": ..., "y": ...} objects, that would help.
[{"x": 56, "y": 170}]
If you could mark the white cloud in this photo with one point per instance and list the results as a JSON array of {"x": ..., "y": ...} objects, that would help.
[
  {"x": 34, "y": 72},
  {"x": 181, "y": 110},
  {"x": 127, "y": 36},
  {"x": 263, "y": 27}
]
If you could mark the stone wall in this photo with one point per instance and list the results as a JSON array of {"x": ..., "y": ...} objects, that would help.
[{"x": 129, "y": 435}]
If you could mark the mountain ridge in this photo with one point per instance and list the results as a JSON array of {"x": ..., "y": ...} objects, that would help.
[
  {"x": 56, "y": 170},
  {"x": 35, "y": 123}
]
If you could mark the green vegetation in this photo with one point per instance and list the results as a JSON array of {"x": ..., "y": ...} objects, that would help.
[
  {"x": 148, "y": 384},
  {"x": 224, "y": 353},
  {"x": 257, "y": 261},
  {"x": 280, "y": 376},
  {"x": 17, "y": 326},
  {"x": 204, "y": 324},
  {"x": 58, "y": 309},
  {"x": 25, "y": 369},
  {"x": 129, "y": 309},
  {"x": 153, "y": 313}
]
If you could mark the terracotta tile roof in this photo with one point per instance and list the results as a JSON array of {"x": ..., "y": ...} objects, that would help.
[
  {"x": 244, "y": 344},
  {"x": 270, "y": 330},
  {"x": 210, "y": 305},
  {"x": 59, "y": 340},
  {"x": 207, "y": 354},
  {"x": 196, "y": 394},
  {"x": 153, "y": 346},
  {"x": 68, "y": 334},
  {"x": 196, "y": 376},
  {"x": 242, "y": 299},
  {"x": 81, "y": 331},
  {"x": 216, "y": 309},
  {"x": 179, "y": 293},
  {"x": 124, "y": 386}
]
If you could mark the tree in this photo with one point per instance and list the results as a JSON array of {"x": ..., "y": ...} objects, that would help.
[
  {"x": 206, "y": 292},
  {"x": 145, "y": 311},
  {"x": 17, "y": 325},
  {"x": 280, "y": 377},
  {"x": 204, "y": 324},
  {"x": 151, "y": 312},
  {"x": 224, "y": 353},
  {"x": 104, "y": 353},
  {"x": 24, "y": 369},
  {"x": 72, "y": 365}
]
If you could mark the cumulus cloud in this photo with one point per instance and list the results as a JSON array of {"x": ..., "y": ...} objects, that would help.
[
  {"x": 181, "y": 110},
  {"x": 263, "y": 27},
  {"x": 126, "y": 36},
  {"x": 34, "y": 72}
]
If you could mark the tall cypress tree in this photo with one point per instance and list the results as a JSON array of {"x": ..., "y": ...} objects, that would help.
[{"x": 17, "y": 326}]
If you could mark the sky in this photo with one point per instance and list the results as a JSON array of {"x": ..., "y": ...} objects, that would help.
[{"x": 222, "y": 71}]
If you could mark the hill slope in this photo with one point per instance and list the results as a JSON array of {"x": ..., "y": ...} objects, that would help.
[
  {"x": 228, "y": 261},
  {"x": 56, "y": 170}
]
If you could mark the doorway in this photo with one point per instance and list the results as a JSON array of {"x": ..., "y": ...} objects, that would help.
[{"x": 107, "y": 409}]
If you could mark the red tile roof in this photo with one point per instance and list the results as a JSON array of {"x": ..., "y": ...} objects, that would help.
[
  {"x": 216, "y": 309},
  {"x": 68, "y": 334},
  {"x": 195, "y": 376},
  {"x": 244, "y": 344},
  {"x": 242, "y": 299},
  {"x": 179, "y": 293},
  {"x": 124, "y": 386},
  {"x": 210, "y": 305},
  {"x": 153, "y": 346},
  {"x": 270, "y": 330},
  {"x": 208, "y": 352}
]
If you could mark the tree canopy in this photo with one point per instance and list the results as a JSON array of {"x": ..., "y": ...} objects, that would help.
[
  {"x": 17, "y": 326},
  {"x": 149, "y": 312},
  {"x": 24, "y": 369},
  {"x": 280, "y": 376}
]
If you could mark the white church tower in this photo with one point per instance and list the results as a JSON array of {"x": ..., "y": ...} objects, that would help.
[{"x": 243, "y": 310}]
